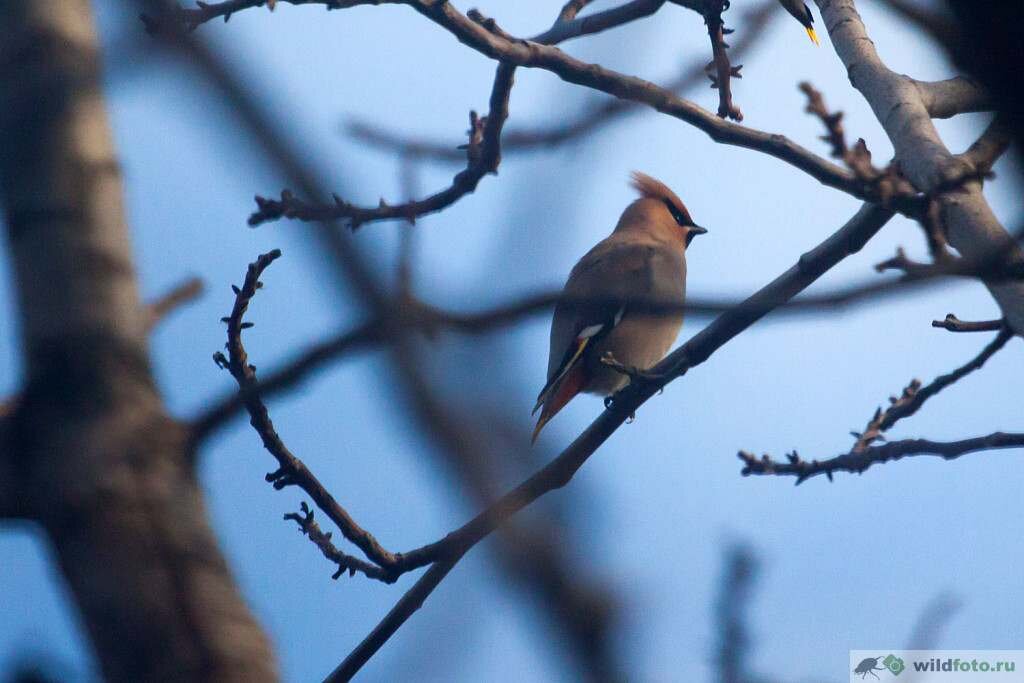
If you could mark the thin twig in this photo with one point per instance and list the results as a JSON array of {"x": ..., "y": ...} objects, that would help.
[
  {"x": 954, "y": 324},
  {"x": 291, "y": 470},
  {"x": 483, "y": 154},
  {"x": 902, "y": 409},
  {"x": 888, "y": 452}
]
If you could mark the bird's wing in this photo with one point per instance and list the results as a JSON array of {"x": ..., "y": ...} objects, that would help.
[{"x": 611, "y": 273}]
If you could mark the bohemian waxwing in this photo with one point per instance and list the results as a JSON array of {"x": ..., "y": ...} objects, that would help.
[
  {"x": 644, "y": 259},
  {"x": 802, "y": 13}
]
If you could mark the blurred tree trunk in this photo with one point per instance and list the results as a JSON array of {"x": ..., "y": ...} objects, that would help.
[{"x": 88, "y": 450}]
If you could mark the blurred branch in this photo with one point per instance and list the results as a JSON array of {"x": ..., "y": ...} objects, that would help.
[
  {"x": 933, "y": 619},
  {"x": 584, "y": 122},
  {"x": 417, "y": 315},
  {"x": 913, "y": 396},
  {"x": 933, "y": 23},
  {"x": 731, "y": 611},
  {"x": 894, "y": 450},
  {"x": 9, "y": 486},
  {"x": 183, "y": 293}
]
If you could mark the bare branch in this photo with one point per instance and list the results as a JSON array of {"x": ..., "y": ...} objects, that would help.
[
  {"x": 856, "y": 463},
  {"x": 970, "y": 225},
  {"x": 724, "y": 70},
  {"x": 954, "y": 324},
  {"x": 957, "y": 95},
  {"x": 885, "y": 186},
  {"x": 526, "y": 139},
  {"x": 987, "y": 149},
  {"x": 864, "y": 454},
  {"x": 444, "y": 553},
  {"x": 913, "y": 397},
  {"x": 398, "y": 615},
  {"x": 483, "y": 153},
  {"x": 291, "y": 471},
  {"x": 496, "y": 44},
  {"x": 291, "y": 374}
]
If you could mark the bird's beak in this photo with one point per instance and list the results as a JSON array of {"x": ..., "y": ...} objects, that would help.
[{"x": 697, "y": 230}]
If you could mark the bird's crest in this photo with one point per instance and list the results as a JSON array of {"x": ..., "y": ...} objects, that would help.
[{"x": 655, "y": 189}]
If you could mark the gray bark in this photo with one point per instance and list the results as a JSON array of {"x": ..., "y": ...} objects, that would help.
[
  {"x": 972, "y": 227},
  {"x": 89, "y": 451}
]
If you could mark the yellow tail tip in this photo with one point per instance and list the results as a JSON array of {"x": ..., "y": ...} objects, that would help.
[{"x": 813, "y": 35}]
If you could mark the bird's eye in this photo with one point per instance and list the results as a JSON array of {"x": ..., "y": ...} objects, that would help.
[{"x": 681, "y": 219}]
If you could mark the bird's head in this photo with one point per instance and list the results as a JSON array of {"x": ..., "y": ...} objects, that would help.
[{"x": 659, "y": 210}]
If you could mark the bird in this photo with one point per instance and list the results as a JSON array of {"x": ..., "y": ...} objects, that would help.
[
  {"x": 644, "y": 259},
  {"x": 802, "y": 13}
]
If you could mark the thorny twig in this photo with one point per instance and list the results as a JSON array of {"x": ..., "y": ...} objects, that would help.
[
  {"x": 724, "y": 70},
  {"x": 885, "y": 186},
  {"x": 858, "y": 462},
  {"x": 863, "y": 453}
]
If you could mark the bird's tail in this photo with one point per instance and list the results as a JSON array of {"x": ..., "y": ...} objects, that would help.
[
  {"x": 813, "y": 35},
  {"x": 567, "y": 387}
]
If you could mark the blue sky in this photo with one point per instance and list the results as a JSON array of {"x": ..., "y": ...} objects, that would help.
[{"x": 847, "y": 565}]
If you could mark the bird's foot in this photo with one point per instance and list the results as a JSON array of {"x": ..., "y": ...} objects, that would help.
[{"x": 634, "y": 373}]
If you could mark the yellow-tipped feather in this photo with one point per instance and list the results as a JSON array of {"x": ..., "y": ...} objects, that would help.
[{"x": 813, "y": 35}]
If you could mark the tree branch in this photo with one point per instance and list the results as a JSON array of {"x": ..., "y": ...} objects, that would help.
[
  {"x": 954, "y": 324},
  {"x": 353, "y": 274},
  {"x": 724, "y": 70},
  {"x": 970, "y": 225},
  {"x": 913, "y": 396},
  {"x": 858, "y": 462},
  {"x": 483, "y": 154},
  {"x": 484, "y": 37},
  {"x": 849, "y": 239},
  {"x": 291, "y": 471},
  {"x": 957, "y": 95},
  {"x": 587, "y": 120},
  {"x": 992, "y": 144},
  {"x": 556, "y": 474}
]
